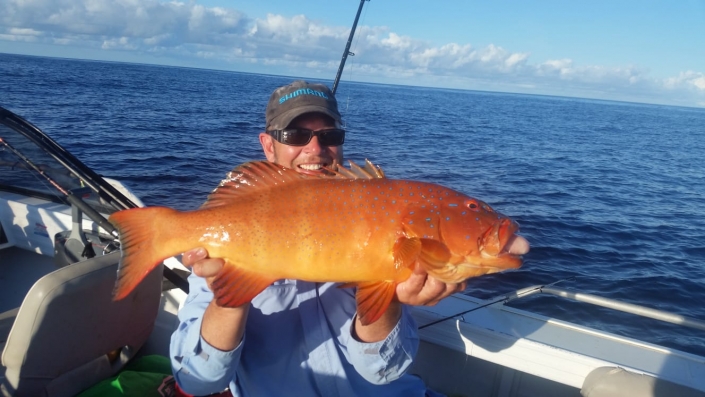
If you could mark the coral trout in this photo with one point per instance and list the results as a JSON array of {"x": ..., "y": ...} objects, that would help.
[{"x": 356, "y": 227}]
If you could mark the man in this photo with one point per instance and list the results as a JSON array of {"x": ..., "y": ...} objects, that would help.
[{"x": 298, "y": 338}]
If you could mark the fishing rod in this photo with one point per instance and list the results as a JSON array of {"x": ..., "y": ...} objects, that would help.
[
  {"x": 73, "y": 199},
  {"x": 347, "y": 48},
  {"x": 502, "y": 299},
  {"x": 106, "y": 191},
  {"x": 168, "y": 273}
]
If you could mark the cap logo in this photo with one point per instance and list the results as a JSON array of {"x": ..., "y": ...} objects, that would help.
[{"x": 302, "y": 91}]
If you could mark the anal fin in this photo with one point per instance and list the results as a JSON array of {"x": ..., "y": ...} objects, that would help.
[
  {"x": 235, "y": 286},
  {"x": 373, "y": 299}
]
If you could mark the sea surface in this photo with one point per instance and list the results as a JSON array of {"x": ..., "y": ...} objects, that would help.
[{"x": 611, "y": 193}]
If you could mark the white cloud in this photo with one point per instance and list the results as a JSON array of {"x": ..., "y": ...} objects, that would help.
[
  {"x": 394, "y": 41},
  {"x": 181, "y": 30},
  {"x": 113, "y": 19},
  {"x": 689, "y": 80},
  {"x": 122, "y": 43},
  {"x": 23, "y": 32},
  {"x": 555, "y": 67},
  {"x": 516, "y": 59}
]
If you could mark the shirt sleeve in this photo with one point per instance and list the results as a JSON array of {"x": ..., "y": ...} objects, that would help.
[
  {"x": 387, "y": 360},
  {"x": 198, "y": 367}
]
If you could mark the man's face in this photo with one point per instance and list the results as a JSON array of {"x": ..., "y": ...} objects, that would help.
[{"x": 307, "y": 159}]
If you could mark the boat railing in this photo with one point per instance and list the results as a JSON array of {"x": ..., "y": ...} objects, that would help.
[{"x": 604, "y": 302}]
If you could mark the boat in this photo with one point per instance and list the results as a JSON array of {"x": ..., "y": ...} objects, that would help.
[
  {"x": 61, "y": 332},
  {"x": 59, "y": 327}
]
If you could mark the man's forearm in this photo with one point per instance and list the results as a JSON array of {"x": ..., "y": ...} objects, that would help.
[
  {"x": 378, "y": 330},
  {"x": 223, "y": 327}
]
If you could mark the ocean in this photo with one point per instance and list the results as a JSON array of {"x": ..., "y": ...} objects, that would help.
[{"x": 610, "y": 193}]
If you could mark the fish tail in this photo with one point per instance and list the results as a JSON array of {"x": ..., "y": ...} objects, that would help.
[{"x": 138, "y": 229}]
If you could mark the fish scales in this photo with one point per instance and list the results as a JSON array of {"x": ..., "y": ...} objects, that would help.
[
  {"x": 268, "y": 222},
  {"x": 308, "y": 226}
]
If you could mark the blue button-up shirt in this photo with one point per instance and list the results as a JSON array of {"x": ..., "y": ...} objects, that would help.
[{"x": 297, "y": 342}]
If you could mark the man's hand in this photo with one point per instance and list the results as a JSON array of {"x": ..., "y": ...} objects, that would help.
[
  {"x": 420, "y": 289},
  {"x": 423, "y": 290},
  {"x": 222, "y": 327},
  {"x": 201, "y": 265}
]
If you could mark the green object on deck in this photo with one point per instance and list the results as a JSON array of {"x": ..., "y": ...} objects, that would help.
[{"x": 145, "y": 377}]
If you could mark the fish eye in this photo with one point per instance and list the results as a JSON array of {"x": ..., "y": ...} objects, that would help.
[
  {"x": 476, "y": 205},
  {"x": 472, "y": 204}
]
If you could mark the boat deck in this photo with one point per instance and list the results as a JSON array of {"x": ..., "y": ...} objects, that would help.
[{"x": 547, "y": 348}]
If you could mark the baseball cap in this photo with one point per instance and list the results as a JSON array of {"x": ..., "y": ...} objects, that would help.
[{"x": 300, "y": 97}]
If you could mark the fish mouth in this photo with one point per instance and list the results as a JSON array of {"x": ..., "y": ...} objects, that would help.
[
  {"x": 499, "y": 248},
  {"x": 501, "y": 240},
  {"x": 517, "y": 245}
]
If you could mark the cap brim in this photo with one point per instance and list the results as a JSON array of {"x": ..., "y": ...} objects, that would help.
[{"x": 283, "y": 120}]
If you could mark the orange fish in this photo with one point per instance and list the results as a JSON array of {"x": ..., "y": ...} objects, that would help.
[{"x": 269, "y": 222}]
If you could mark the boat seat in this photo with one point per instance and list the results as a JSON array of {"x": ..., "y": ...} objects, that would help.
[
  {"x": 69, "y": 334},
  {"x": 618, "y": 382},
  {"x": 6, "y": 320}
]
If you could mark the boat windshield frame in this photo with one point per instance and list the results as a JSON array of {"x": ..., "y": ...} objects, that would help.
[{"x": 35, "y": 165}]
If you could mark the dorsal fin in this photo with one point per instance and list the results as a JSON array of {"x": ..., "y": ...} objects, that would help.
[
  {"x": 369, "y": 171},
  {"x": 255, "y": 176},
  {"x": 248, "y": 178}
]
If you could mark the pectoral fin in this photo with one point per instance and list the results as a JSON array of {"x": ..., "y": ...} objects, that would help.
[
  {"x": 373, "y": 300},
  {"x": 406, "y": 250},
  {"x": 434, "y": 253},
  {"x": 235, "y": 286},
  {"x": 436, "y": 258}
]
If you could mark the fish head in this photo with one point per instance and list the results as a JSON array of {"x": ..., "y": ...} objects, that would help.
[
  {"x": 478, "y": 237},
  {"x": 475, "y": 239}
]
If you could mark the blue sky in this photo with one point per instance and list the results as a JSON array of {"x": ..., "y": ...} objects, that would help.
[{"x": 640, "y": 51}]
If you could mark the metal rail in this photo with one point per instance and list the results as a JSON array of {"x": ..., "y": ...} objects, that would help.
[
  {"x": 608, "y": 303},
  {"x": 627, "y": 307}
]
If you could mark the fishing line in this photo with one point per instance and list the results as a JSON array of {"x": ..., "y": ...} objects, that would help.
[
  {"x": 502, "y": 299},
  {"x": 357, "y": 40}
]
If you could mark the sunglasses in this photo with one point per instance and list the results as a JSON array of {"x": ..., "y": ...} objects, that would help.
[{"x": 302, "y": 136}]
